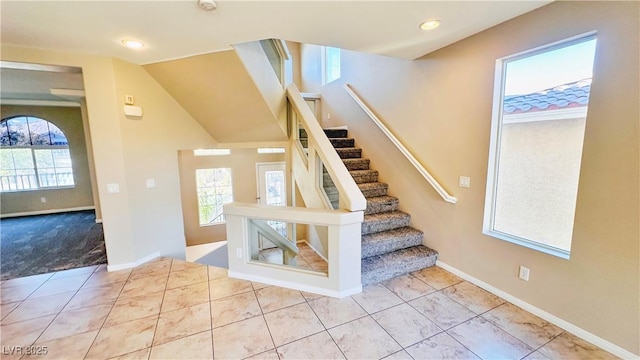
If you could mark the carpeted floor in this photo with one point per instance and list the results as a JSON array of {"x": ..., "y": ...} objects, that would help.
[{"x": 44, "y": 243}]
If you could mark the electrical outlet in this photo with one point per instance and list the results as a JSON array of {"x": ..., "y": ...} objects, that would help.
[
  {"x": 524, "y": 273},
  {"x": 239, "y": 252},
  {"x": 43, "y": 199}
]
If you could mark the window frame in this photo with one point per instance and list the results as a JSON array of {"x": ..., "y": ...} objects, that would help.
[
  {"x": 325, "y": 64},
  {"x": 198, "y": 194},
  {"x": 488, "y": 224}
]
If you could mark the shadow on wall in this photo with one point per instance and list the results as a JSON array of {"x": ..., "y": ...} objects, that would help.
[{"x": 216, "y": 257}]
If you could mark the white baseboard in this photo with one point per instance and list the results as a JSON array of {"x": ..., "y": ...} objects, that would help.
[
  {"x": 46, "y": 212},
  {"x": 579, "y": 332},
  {"x": 297, "y": 286},
  {"x": 133, "y": 264}
]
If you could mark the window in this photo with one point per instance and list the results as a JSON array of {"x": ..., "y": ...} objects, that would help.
[
  {"x": 540, "y": 108},
  {"x": 214, "y": 190},
  {"x": 34, "y": 154},
  {"x": 211, "y": 152},
  {"x": 271, "y": 150},
  {"x": 331, "y": 64}
]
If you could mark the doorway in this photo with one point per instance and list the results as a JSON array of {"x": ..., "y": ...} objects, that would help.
[{"x": 272, "y": 190}]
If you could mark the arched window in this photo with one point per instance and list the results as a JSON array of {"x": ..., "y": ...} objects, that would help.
[{"x": 34, "y": 154}]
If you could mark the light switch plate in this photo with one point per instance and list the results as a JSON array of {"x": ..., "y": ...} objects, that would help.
[
  {"x": 465, "y": 181},
  {"x": 151, "y": 183},
  {"x": 113, "y": 188},
  {"x": 128, "y": 100}
]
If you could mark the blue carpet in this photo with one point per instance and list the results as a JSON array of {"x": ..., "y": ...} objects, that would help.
[{"x": 39, "y": 244}]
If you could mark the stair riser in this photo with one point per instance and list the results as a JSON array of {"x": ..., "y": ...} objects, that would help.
[
  {"x": 349, "y": 153},
  {"x": 342, "y": 143},
  {"x": 381, "y": 207},
  {"x": 384, "y": 225},
  {"x": 336, "y": 133},
  {"x": 362, "y": 178},
  {"x": 393, "y": 244},
  {"x": 383, "y": 267},
  {"x": 394, "y": 269},
  {"x": 378, "y": 191},
  {"x": 360, "y": 164}
]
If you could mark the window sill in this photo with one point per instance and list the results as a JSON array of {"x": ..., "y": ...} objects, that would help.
[
  {"x": 214, "y": 224},
  {"x": 564, "y": 254},
  {"x": 38, "y": 189}
]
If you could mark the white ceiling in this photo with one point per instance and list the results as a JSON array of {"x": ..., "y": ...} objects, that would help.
[{"x": 179, "y": 28}]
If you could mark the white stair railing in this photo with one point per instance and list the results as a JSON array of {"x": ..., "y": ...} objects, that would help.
[
  {"x": 412, "y": 159},
  {"x": 311, "y": 156},
  {"x": 343, "y": 229}
]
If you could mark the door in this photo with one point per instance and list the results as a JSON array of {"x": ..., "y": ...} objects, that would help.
[{"x": 272, "y": 190}]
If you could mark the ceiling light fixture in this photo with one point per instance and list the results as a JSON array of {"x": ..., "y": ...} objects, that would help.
[
  {"x": 430, "y": 24},
  {"x": 133, "y": 44},
  {"x": 207, "y": 4}
]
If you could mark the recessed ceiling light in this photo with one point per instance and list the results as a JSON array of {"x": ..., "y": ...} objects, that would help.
[
  {"x": 132, "y": 44},
  {"x": 430, "y": 24}
]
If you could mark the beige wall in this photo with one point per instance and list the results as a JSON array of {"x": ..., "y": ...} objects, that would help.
[
  {"x": 245, "y": 189},
  {"x": 69, "y": 120},
  {"x": 138, "y": 222},
  {"x": 201, "y": 84},
  {"x": 440, "y": 107}
]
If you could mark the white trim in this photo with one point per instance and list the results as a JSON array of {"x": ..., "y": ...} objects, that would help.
[
  {"x": 547, "y": 115},
  {"x": 297, "y": 286},
  {"x": 575, "y": 330},
  {"x": 311, "y": 96},
  {"x": 39, "y": 67},
  {"x": 46, "y": 212},
  {"x": 39, "y": 103},
  {"x": 68, "y": 93},
  {"x": 407, "y": 154},
  {"x": 134, "y": 263},
  {"x": 98, "y": 221}
]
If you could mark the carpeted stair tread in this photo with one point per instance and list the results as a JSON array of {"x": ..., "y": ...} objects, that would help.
[
  {"x": 364, "y": 176},
  {"x": 373, "y": 189},
  {"x": 386, "y": 266},
  {"x": 385, "y": 221},
  {"x": 380, "y": 204},
  {"x": 342, "y": 142},
  {"x": 336, "y": 133},
  {"x": 388, "y": 241},
  {"x": 349, "y": 153},
  {"x": 356, "y": 164}
]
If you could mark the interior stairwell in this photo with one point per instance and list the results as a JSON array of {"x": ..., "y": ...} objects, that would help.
[{"x": 390, "y": 246}]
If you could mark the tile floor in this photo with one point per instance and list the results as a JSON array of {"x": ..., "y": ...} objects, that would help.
[{"x": 171, "y": 309}]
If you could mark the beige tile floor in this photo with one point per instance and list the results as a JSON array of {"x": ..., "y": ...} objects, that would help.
[
  {"x": 170, "y": 309},
  {"x": 307, "y": 258}
]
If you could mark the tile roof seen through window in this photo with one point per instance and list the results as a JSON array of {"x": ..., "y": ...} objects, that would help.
[{"x": 571, "y": 95}]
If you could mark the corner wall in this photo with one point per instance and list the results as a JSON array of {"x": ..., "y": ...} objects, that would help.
[
  {"x": 138, "y": 222},
  {"x": 440, "y": 107}
]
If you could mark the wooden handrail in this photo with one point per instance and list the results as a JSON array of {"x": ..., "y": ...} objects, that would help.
[{"x": 412, "y": 159}]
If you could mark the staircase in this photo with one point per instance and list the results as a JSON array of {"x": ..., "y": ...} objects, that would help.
[{"x": 390, "y": 247}]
